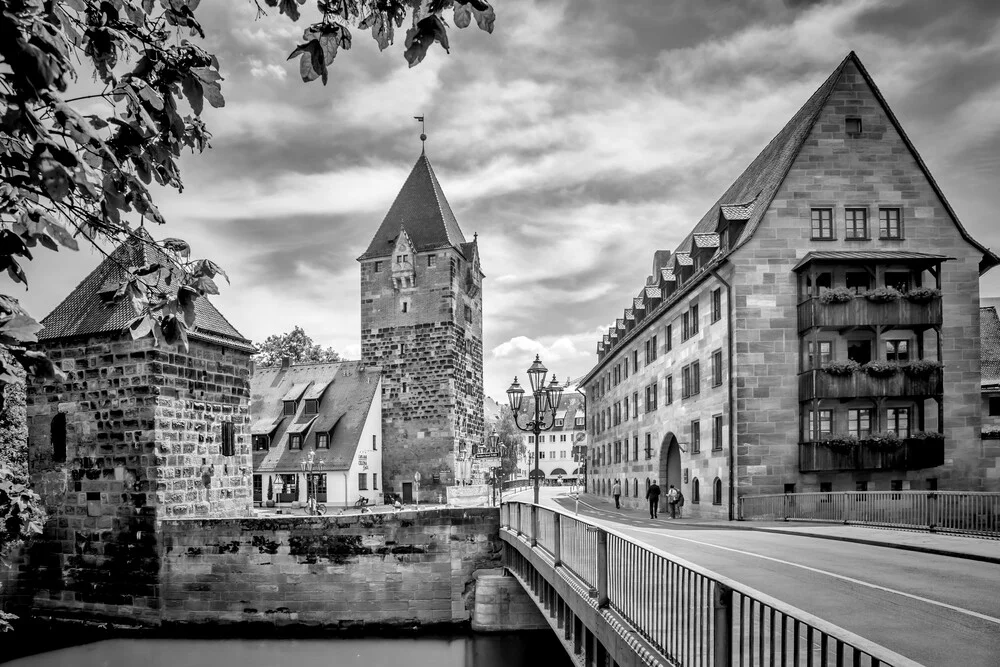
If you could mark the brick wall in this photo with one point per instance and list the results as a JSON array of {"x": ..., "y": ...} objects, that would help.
[{"x": 394, "y": 568}]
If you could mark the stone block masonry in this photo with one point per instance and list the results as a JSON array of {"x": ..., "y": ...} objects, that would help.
[{"x": 388, "y": 569}]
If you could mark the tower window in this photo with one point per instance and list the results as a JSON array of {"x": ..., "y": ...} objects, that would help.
[
  {"x": 228, "y": 438},
  {"x": 58, "y": 437},
  {"x": 852, "y": 125},
  {"x": 468, "y": 314},
  {"x": 377, "y": 267},
  {"x": 404, "y": 306},
  {"x": 431, "y": 261}
]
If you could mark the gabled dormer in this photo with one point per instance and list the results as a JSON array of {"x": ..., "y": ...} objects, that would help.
[
  {"x": 629, "y": 319},
  {"x": 314, "y": 396},
  {"x": 653, "y": 297},
  {"x": 732, "y": 220},
  {"x": 703, "y": 248},
  {"x": 683, "y": 267},
  {"x": 472, "y": 273},
  {"x": 668, "y": 283},
  {"x": 292, "y": 399},
  {"x": 639, "y": 308},
  {"x": 403, "y": 259}
]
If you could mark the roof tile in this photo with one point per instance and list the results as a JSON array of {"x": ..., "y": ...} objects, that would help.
[{"x": 989, "y": 351}]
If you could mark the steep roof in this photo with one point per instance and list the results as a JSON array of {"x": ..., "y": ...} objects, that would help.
[
  {"x": 86, "y": 312},
  {"x": 345, "y": 390},
  {"x": 989, "y": 351},
  {"x": 423, "y": 211}
]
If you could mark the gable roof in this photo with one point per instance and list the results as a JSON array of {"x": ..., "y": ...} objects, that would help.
[
  {"x": 571, "y": 407},
  {"x": 84, "y": 311},
  {"x": 989, "y": 351},
  {"x": 420, "y": 209},
  {"x": 344, "y": 404}
]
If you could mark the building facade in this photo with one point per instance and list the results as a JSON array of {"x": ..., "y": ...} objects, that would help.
[
  {"x": 560, "y": 458},
  {"x": 422, "y": 323},
  {"x": 329, "y": 414},
  {"x": 989, "y": 324},
  {"x": 817, "y": 330}
]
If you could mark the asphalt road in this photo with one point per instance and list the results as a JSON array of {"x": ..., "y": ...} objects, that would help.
[{"x": 936, "y": 610}]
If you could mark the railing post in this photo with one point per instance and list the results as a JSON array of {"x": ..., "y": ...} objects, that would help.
[
  {"x": 602, "y": 568},
  {"x": 534, "y": 525},
  {"x": 932, "y": 510},
  {"x": 722, "y": 608},
  {"x": 557, "y": 541}
]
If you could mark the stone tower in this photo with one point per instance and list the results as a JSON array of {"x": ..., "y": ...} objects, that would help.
[
  {"x": 135, "y": 433},
  {"x": 422, "y": 322}
]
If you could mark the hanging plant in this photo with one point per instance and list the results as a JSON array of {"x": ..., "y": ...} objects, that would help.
[
  {"x": 922, "y": 368},
  {"x": 883, "y": 294},
  {"x": 843, "y": 444},
  {"x": 923, "y": 294},
  {"x": 882, "y": 441},
  {"x": 836, "y": 295},
  {"x": 842, "y": 368},
  {"x": 991, "y": 433},
  {"x": 880, "y": 368},
  {"x": 930, "y": 436}
]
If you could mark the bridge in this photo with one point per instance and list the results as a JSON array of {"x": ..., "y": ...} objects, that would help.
[{"x": 621, "y": 589}]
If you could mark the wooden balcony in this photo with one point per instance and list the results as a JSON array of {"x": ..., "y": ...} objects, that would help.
[
  {"x": 862, "y": 312},
  {"x": 912, "y": 455},
  {"x": 820, "y": 384}
]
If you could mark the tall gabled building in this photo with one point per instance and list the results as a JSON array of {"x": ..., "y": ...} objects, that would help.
[
  {"x": 422, "y": 322},
  {"x": 818, "y": 329}
]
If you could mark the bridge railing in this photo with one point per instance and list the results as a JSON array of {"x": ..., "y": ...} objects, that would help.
[
  {"x": 691, "y": 615},
  {"x": 960, "y": 512}
]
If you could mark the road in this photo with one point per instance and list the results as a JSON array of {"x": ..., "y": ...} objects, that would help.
[{"x": 936, "y": 610}]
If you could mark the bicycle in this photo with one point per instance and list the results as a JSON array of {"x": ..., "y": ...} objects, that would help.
[
  {"x": 317, "y": 509},
  {"x": 362, "y": 504}
]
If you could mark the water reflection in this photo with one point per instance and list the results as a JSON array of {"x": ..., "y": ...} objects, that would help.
[{"x": 506, "y": 650}]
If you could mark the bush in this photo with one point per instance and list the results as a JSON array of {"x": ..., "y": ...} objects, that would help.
[
  {"x": 837, "y": 295},
  {"x": 991, "y": 433},
  {"x": 880, "y": 368},
  {"x": 883, "y": 294},
  {"x": 884, "y": 441},
  {"x": 928, "y": 436},
  {"x": 922, "y": 367},
  {"x": 848, "y": 367},
  {"x": 841, "y": 443},
  {"x": 923, "y": 294}
]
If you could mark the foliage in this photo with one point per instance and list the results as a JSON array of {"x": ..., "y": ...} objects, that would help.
[
  {"x": 883, "y": 294},
  {"x": 880, "y": 368},
  {"x": 841, "y": 443},
  {"x": 922, "y": 367},
  {"x": 923, "y": 294},
  {"x": 930, "y": 436},
  {"x": 836, "y": 295},
  {"x": 883, "y": 441},
  {"x": 512, "y": 438},
  {"x": 296, "y": 345},
  {"x": 990, "y": 433},
  {"x": 841, "y": 368},
  {"x": 78, "y": 169},
  {"x": 270, "y": 488}
]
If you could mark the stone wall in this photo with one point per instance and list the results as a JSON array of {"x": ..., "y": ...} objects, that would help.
[
  {"x": 392, "y": 568},
  {"x": 502, "y": 605}
]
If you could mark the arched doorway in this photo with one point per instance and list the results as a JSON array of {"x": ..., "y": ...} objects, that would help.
[{"x": 670, "y": 466}]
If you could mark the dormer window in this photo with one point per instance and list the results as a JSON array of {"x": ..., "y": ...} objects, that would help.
[
  {"x": 295, "y": 441},
  {"x": 322, "y": 441},
  {"x": 289, "y": 408},
  {"x": 579, "y": 422},
  {"x": 559, "y": 422},
  {"x": 312, "y": 406}
]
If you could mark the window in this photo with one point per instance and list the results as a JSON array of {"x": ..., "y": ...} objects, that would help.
[
  {"x": 897, "y": 350},
  {"x": 898, "y": 279},
  {"x": 856, "y": 224},
  {"x": 669, "y": 342},
  {"x": 789, "y": 488},
  {"x": 635, "y": 448},
  {"x": 694, "y": 319},
  {"x": 889, "y": 224},
  {"x": 859, "y": 422},
  {"x": 858, "y": 281},
  {"x": 625, "y": 411},
  {"x": 717, "y": 368},
  {"x": 559, "y": 422},
  {"x": 432, "y": 261},
  {"x": 898, "y": 421},
  {"x": 695, "y": 492},
  {"x": 374, "y": 480},
  {"x": 717, "y": 492},
  {"x": 377, "y": 267},
  {"x": 322, "y": 441},
  {"x": 651, "y": 397},
  {"x": 260, "y": 443},
  {"x": 578, "y": 422},
  {"x": 685, "y": 326},
  {"x": 932, "y": 484},
  {"x": 404, "y": 306},
  {"x": 228, "y": 441},
  {"x": 552, "y": 438},
  {"x": 57, "y": 436},
  {"x": 821, "y": 419},
  {"x": 826, "y": 487},
  {"x": 696, "y": 377},
  {"x": 635, "y": 405},
  {"x": 685, "y": 382},
  {"x": 859, "y": 351},
  {"x": 822, "y": 223},
  {"x": 312, "y": 406},
  {"x": 362, "y": 481},
  {"x": 717, "y": 433},
  {"x": 541, "y": 454},
  {"x": 651, "y": 349},
  {"x": 618, "y": 451},
  {"x": 852, "y": 125},
  {"x": 861, "y": 486},
  {"x": 994, "y": 407},
  {"x": 649, "y": 446},
  {"x": 716, "y": 305},
  {"x": 825, "y": 354},
  {"x": 468, "y": 314},
  {"x": 295, "y": 441},
  {"x": 696, "y": 437},
  {"x": 668, "y": 393},
  {"x": 289, "y": 408},
  {"x": 531, "y": 439},
  {"x": 562, "y": 438},
  {"x": 562, "y": 453}
]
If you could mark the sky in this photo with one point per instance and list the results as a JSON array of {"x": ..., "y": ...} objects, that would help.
[{"x": 575, "y": 140}]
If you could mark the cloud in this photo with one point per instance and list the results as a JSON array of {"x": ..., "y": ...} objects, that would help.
[{"x": 259, "y": 69}]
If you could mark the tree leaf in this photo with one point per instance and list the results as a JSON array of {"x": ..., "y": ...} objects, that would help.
[
  {"x": 21, "y": 327},
  {"x": 485, "y": 18},
  {"x": 141, "y": 326},
  {"x": 192, "y": 87},
  {"x": 463, "y": 15},
  {"x": 179, "y": 246}
]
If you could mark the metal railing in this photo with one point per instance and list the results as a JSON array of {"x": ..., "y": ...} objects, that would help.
[
  {"x": 691, "y": 615},
  {"x": 960, "y": 512}
]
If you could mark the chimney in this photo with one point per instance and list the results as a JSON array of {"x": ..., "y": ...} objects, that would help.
[{"x": 286, "y": 362}]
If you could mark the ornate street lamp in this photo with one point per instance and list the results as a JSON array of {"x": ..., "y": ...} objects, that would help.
[
  {"x": 546, "y": 400},
  {"x": 307, "y": 467},
  {"x": 496, "y": 446}
]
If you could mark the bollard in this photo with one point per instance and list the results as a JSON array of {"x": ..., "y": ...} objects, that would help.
[
  {"x": 722, "y": 609},
  {"x": 557, "y": 546}
]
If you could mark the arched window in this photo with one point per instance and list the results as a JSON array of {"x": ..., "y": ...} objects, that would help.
[
  {"x": 57, "y": 436},
  {"x": 695, "y": 491},
  {"x": 635, "y": 486},
  {"x": 625, "y": 488},
  {"x": 647, "y": 484},
  {"x": 717, "y": 492}
]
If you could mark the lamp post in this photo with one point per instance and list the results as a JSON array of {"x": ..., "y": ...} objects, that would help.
[
  {"x": 495, "y": 446},
  {"x": 546, "y": 399},
  {"x": 307, "y": 467}
]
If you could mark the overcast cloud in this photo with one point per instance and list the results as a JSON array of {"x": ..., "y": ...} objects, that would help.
[{"x": 578, "y": 138}]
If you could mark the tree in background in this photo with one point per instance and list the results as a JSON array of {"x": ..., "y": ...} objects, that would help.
[
  {"x": 296, "y": 345},
  {"x": 513, "y": 439}
]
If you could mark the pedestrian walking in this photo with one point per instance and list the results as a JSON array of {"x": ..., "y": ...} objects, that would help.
[
  {"x": 676, "y": 500},
  {"x": 653, "y": 496},
  {"x": 616, "y": 491}
]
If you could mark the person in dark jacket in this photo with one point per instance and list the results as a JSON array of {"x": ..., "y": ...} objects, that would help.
[
  {"x": 616, "y": 491},
  {"x": 653, "y": 496}
]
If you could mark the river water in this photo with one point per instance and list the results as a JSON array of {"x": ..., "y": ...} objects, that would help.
[{"x": 501, "y": 650}]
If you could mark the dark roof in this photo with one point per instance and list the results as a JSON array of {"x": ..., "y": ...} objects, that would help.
[
  {"x": 843, "y": 256},
  {"x": 989, "y": 351},
  {"x": 570, "y": 407},
  {"x": 343, "y": 409},
  {"x": 86, "y": 312},
  {"x": 423, "y": 211}
]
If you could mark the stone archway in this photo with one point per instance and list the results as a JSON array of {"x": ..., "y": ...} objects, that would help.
[{"x": 670, "y": 467}]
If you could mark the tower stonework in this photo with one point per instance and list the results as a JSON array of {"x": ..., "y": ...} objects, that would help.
[{"x": 422, "y": 322}]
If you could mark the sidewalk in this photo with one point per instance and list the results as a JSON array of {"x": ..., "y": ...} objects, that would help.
[{"x": 956, "y": 546}]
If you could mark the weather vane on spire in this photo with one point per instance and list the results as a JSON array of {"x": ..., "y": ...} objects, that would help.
[{"x": 423, "y": 135}]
